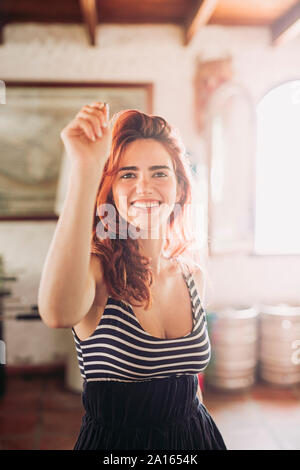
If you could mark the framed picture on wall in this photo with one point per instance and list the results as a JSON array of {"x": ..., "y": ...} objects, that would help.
[{"x": 32, "y": 159}]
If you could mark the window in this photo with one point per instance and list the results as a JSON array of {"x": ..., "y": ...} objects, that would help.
[{"x": 277, "y": 214}]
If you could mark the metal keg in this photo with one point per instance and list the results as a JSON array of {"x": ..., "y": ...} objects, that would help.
[
  {"x": 279, "y": 344},
  {"x": 233, "y": 337}
]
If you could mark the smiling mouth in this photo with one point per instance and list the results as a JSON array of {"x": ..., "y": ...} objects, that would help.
[
  {"x": 147, "y": 209},
  {"x": 145, "y": 205}
]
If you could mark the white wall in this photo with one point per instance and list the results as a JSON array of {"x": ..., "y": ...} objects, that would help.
[{"x": 141, "y": 53}]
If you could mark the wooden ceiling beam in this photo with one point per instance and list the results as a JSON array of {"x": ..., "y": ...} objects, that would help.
[
  {"x": 90, "y": 18},
  {"x": 4, "y": 19},
  {"x": 287, "y": 26},
  {"x": 1, "y": 34},
  {"x": 197, "y": 18}
]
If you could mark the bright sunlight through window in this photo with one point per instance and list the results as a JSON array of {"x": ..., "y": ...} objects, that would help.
[{"x": 277, "y": 225}]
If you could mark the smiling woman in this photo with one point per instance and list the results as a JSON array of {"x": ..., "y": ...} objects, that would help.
[
  {"x": 146, "y": 192},
  {"x": 141, "y": 336},
  {"x": 147, "y": 163}
]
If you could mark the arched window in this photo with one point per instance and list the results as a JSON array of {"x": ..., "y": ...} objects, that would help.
[{"x": 277, "y": 214}]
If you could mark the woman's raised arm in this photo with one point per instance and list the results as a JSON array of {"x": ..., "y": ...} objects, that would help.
[{"x": 67, "y": 285}]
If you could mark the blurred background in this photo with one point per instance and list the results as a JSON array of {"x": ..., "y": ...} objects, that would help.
[{"x": 226, "y": 74}]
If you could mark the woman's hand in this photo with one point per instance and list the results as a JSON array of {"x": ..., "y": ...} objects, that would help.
[{"x": 87, "y": 138}]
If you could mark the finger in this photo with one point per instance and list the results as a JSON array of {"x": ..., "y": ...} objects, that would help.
[
  {"x": 87, "y": 128},
  {"x": 99, "y": 104},
  {"x": 97, "y": 112},
  {"x": 93, "y": 107},
  {"x": 94, "y": 119},
  {"x": 104, "y": 107}
]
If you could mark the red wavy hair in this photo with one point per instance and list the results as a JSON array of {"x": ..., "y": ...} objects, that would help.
[{"x": 127, "y": 273}]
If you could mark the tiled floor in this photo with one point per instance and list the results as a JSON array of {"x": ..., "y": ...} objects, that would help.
[
  {"x": 40, "y": 413},
  {"x": 267, "y": 417}
]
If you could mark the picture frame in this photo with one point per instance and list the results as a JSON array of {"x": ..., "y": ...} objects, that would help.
[{"x": 32, "y": 156}]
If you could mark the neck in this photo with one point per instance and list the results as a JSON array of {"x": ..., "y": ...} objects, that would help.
[{"x": 152, "y": 248}]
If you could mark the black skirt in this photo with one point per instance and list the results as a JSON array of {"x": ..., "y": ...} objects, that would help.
[{"x": 160, "y": 414}]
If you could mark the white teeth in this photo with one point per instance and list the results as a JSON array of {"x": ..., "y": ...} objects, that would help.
[{"x": 145, "y": 204}]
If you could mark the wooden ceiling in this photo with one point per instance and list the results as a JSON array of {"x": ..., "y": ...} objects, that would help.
[{"x": 282, "y": 16}]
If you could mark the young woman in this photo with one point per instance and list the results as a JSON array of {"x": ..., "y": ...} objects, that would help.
[{"x": 117, "y": 273}]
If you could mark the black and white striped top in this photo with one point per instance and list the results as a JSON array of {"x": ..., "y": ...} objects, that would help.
[{"x": 120, "y": 349}]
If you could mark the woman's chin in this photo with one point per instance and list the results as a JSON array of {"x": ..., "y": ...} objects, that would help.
[{"x": 152, "y": 230}]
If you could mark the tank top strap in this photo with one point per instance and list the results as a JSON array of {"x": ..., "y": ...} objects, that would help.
[
  {"x": 195, "y": 297},
  {"x": 190, "y": 285},
  {"x": 184, "y": 269}
]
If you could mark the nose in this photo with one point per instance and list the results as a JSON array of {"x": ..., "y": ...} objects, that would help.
[{"x": 143, "y": 185}]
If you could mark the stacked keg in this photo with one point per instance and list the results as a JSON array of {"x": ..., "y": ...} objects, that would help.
[
  {"x": 279, "y": 344},
  {"x": 234, "y": 343}
]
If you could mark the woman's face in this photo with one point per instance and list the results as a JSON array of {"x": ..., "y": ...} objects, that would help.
[{"x": 145, "y": 177}]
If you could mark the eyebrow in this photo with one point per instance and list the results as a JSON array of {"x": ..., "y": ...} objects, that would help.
[{"x": 151, "y": 168}]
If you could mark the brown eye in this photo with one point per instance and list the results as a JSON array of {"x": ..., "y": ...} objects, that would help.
[{"x": 126, "y": 174}]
